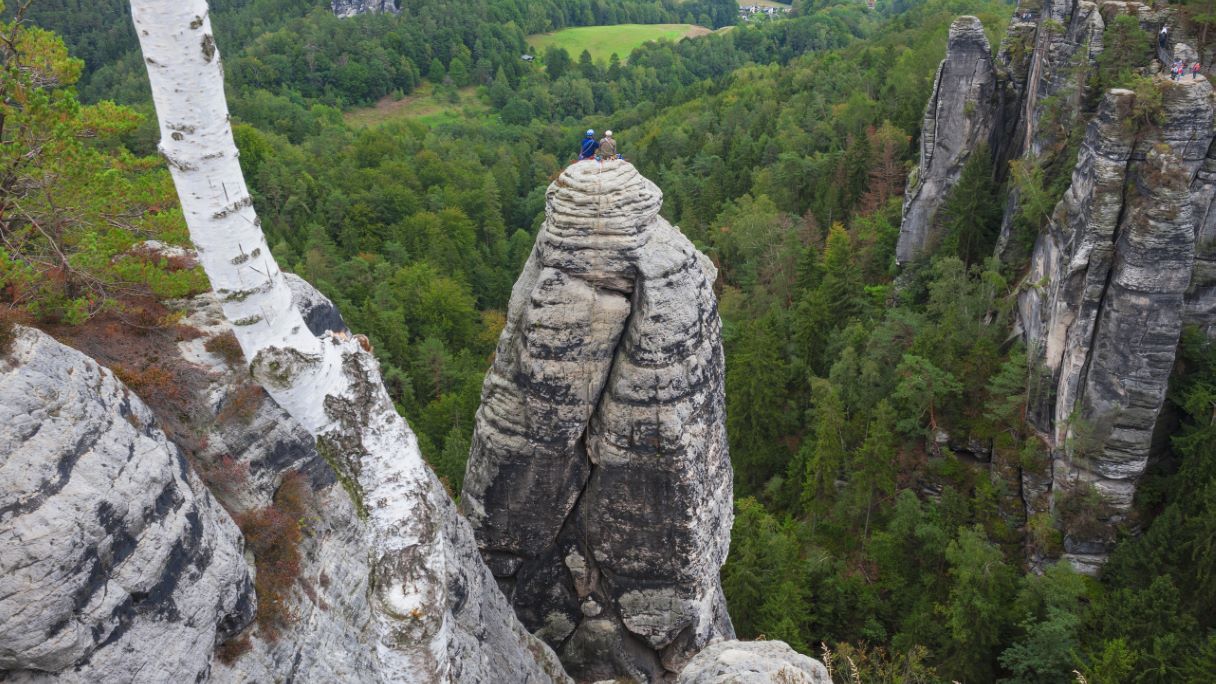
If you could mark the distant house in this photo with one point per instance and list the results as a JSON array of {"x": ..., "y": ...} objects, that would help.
[
  {"x": 527, "y": 58},
  {"x": 746, "y": 12}
]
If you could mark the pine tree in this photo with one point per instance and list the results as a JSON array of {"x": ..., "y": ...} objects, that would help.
[{"x": 827, "y": 452}]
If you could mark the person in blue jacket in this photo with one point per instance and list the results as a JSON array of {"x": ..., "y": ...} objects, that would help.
[{"x": 590, "y": 145}]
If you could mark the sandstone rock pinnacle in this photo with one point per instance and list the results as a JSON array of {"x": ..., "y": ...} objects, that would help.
[
  {"x": 599, "y": 483},
  {"x": 959, "y": 119}
]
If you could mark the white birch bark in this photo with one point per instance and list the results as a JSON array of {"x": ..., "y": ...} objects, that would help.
[
  {"x": 436, "y": 612},
  {"x": 196, "y": 139}
]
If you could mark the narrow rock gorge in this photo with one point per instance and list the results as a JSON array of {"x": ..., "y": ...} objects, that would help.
[{"x": 599, "y": 483}]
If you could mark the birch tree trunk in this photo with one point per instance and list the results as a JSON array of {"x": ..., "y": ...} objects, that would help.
[{"x": 436, "y": 612}]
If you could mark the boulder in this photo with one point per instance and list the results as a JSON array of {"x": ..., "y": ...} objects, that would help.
[{"x": 753, "y": 662}]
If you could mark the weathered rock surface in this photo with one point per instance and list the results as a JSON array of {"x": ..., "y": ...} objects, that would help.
[
  {"x": 155, "y": 575},
  {"x": 959, "y": 120},
  {"x": 753, "y": 662},
  {"x": 1128, "y": 257},
  {"x": 116, "y": 564},
  {"x": 599, "y": 482},
  {"x": 350, "y": 8},
  {"x": 328, "y": 640},
  {"x": 1105, "y": 300},
  {"x": 425, "y": 579},
  {"x": 320, "y": 314},
  {"x": 1042, "y": 67}
]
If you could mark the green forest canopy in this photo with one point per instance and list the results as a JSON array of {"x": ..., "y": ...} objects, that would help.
[{"x": 782, "y": 148}]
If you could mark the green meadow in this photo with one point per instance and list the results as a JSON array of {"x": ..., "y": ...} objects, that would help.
[{"x": 602, "y": 41}]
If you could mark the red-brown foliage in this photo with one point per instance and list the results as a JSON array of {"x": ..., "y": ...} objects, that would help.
[
  {"x": 234, "y": 648},
  {"x": 8, "y": 323},
  {"x": 273, "y": 534},
  {"x": 149, "y": 361},
  {"x": 225, "y": 346},
  {"x": 242, "y": 404},
  {"x": 154, "y": 384},
  {"x": 225, "y": 477}
]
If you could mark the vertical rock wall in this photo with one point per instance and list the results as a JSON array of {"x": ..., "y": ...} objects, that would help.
[
  {"x": 1104, "y": 302},
  {"x": 599, "y": 483},
  {"x": 959, "y": 119},
  {"x": 1127, "y": 257}
]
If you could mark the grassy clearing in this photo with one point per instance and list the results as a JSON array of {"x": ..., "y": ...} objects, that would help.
[
  {"x": 421, "y": 105},
  {"x": 602, "y": 41}
]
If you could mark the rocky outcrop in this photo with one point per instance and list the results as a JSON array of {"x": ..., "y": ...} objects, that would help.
[
  {"x": 753, "y": 662},
  {"x": 1104, "y": 303},
  {"x": 426, "y": 578},
  {"x": 1127, "y": 258},
  {"x": 1044, "y": 60},
  {"x": 350, "y": 8},
  {"x": 154, "y": 576},
  {"x": 959, "y": 120},
  {"x": 116, "y": 564},
  {"x": 320, "y": 314},
  {"x": 599, "y": 483}
]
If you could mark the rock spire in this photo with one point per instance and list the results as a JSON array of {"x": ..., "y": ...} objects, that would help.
[
  {"x": 599, "y": 484},
  {"x": 959, "y": 119}
]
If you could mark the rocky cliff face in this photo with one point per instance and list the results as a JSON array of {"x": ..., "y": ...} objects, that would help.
[
  {"x": 1104, "y": 302},
  {"x": 155, "y": 575},
  {"x": 116, "y": 564},
  {"x": 599, "y": 483},
  {"x": 350, "y": 8},
  {"x": 1126, "y": 258},
  {"x": 959, "y": 120}
]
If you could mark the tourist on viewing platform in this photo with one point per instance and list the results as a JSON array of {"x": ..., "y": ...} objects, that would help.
[
  {"x": 1195, "y": 71},
  {"x": 589, "y": 147}
]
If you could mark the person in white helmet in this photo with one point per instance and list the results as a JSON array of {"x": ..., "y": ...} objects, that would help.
[
  {"x": 608, "y": 147},
  {"x": 589, "y": 146}
]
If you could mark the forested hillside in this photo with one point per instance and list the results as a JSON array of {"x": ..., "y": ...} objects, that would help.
[{"x": 867, "y": 523}]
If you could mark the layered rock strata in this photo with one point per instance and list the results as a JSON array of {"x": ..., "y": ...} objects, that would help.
[
  {"x": 753, "y": 662},
  {"x": 116, "y": 564},
  {"x": 351, "y": 8},
  {"x": 959, "y": 119},
  {"x": 599, "y": 483},
  {"x": 1106, "y": 297},
  {"x": 154, "y": 577}
]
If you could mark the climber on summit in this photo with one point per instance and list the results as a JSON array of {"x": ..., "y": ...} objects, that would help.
[
  {"x": 607, "y": 147},
  {"x": 589, "y": 146}
]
